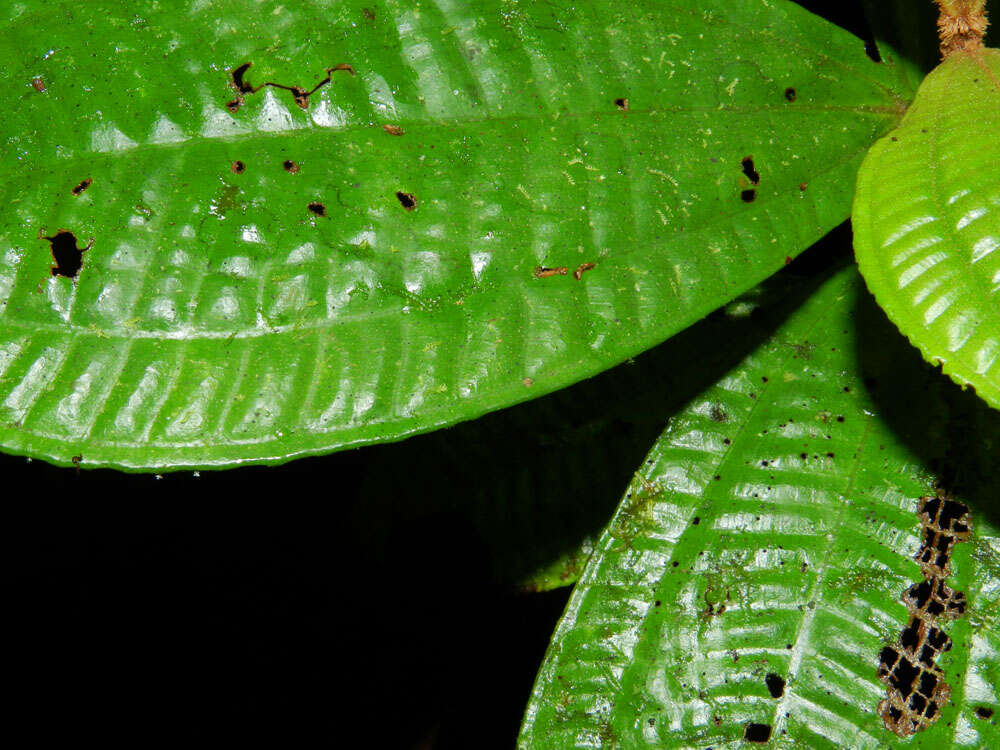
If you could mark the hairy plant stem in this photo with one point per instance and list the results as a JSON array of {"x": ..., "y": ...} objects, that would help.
[{"x": 961, "y": 25}]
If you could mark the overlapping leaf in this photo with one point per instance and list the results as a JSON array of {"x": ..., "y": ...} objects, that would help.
[
  {"x": 927, "y": 221},
  {"x": 754, "y": 571},
  {"x": 278, "y": 269}
]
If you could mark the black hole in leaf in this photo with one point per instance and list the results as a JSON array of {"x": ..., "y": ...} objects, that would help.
[
  {"x": 290, "y": 166},
  {"x": 903, "y": 676},
  {"x": 918, "y": 703},
  {"x": 932, "y": 710},
  {"x": 927, "y": 656},
  {"x": 84, "y": 184},
  {"x": 317, "y": 208},
  {"x": 68, "y": 257},
  {"x": 790, "y": 94},
  {"x": 750, "y": 171},
  {"x": 910, "y": 637},
  {"x": 621, "y": 104},
  {"x": 238, "y": 167},
  {"x": 895, "y": 713},
  {"x": 951, "y": 515},
  {"x": 928, "y": 681},
  {"x": 748, "y": 196},
  {"x": 757, "y": 732},
  {"x": 871, "y": 49},
  {"x": 931, "y": 506},
  {"x": 887, "y": 659},
  {"x": 938, "y": 639},
  {"x": 242, "y": 86},
  {"x": 920, "y": 594},
  {"x": 775, "y": 685},
  {"x": 407, "y": 200},
  {"x": 984, "y": 713}
]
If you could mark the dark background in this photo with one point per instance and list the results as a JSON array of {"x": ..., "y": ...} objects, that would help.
[{"x": 293, "y": 605}]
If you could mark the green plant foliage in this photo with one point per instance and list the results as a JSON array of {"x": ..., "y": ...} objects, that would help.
[
  {"x": 927, "y": 221},
  {"x": 755, "y": 568},
  {"x": 340, "y": 244},
  {"x": 548, "y": 473}
]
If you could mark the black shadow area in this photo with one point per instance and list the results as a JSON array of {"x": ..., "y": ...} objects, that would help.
[{"x": 953, "y": 433}]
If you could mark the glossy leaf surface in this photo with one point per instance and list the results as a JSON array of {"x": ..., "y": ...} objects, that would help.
[
  {"x": 754, "y": 571},
  {"x": 270, "y": 272},
  {"x": 927, "y": 221}
]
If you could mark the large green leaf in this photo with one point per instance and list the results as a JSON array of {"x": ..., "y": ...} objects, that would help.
[
  {"x": 927, "y": 221},
  {"x": 755, "y": 569},
  {"x": 232, "y": 309}
]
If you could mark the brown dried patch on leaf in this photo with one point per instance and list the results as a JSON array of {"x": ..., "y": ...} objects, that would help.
[
  {"x": 38, "y": 84},
  {"x": 393, "y": 129},
  {"x": 582, "y": 269},
  {"x": 961, "y": 25},
  {"x": 82, "y": 185},
  {"x": 916, "y": 686},
  {"x": 541, "y": 272}
]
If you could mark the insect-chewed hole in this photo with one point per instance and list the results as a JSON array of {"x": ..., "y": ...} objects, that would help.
[
  {"x": 68, "y": 257},
  {"x": 238, "y": 83},
  {"x": 622, "y": 104},
  {"x": 238, "y": 167},
  {"x": 317, "y": 208},
  {"x": 775, "y": 684},
  {"x": 790, "y": 94},
  {"x": 84, "y": 184},
  {"x": 984, "y": 713},
  {"x": 757, "y": 732},
  {"x": 750, "y": 171},
  {"x": 290, "y": 166},
  {"x": 748, "y": 196},
  {"x": 407, "y": 200}
]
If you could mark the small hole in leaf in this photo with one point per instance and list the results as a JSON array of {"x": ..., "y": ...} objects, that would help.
[
  {"x": 790, "y": 94},
  {"x": 317, "y": 208},
  {"x": 748, "y": 196},
  {"x": 775, "y": 685},
  {"x": 407, "y": 200},
  {"x": 68, "y": 257},
  {"x": 750, "y": 171},
  {"x": 290, "y": 166},
  {"x": 238, "y": 83},
  {"x": 238, "y": 167},
  {"x": 757, "y": 732},
  {"x": 84, "y": 184},
  {"x": 984, "y": 713},
  {"x": 622, "y": 104}
]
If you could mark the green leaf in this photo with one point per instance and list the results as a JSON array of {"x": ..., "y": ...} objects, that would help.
[
  {"x": 765, "y": 545},
  {"x": 232, "y": 310},
  {"x": 927, "y": 221}
]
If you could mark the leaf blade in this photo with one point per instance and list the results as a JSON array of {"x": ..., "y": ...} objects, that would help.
[
  {"x": 927, "y": 224},
  {"x": 782, "y": 551},
  {"x": 218, "y": 320}
]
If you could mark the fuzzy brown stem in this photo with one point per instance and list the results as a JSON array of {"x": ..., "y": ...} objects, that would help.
[{"x": 961, "y": 25}]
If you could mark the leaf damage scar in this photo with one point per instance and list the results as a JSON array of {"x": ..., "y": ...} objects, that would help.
[
  {"x": 301, "y": 96},
  {"x": 916, "y": 686}
]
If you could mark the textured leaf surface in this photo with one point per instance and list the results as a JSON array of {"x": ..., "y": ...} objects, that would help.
[
  {"x": 754, "y": 570},
  {"x": 927, "y": 221},
  {"x": 218, "y": 319}
]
